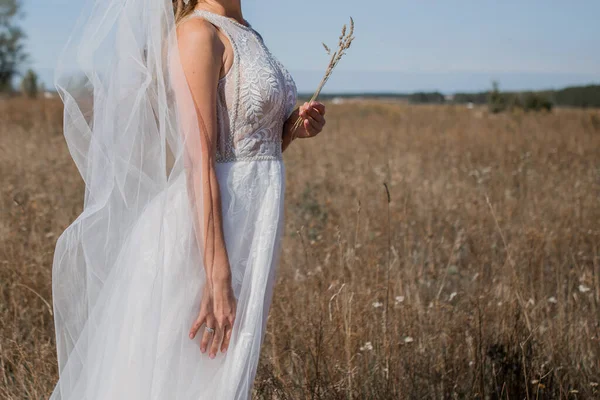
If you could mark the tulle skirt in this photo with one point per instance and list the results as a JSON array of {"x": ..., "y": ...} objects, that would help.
[{"x": 134, "y": 342}]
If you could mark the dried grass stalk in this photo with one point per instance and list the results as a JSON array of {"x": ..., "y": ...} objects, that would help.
[{"x": 345, "y": 41}]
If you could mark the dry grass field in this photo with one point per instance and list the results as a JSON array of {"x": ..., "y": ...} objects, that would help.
[{"x": 477, "y": 276}]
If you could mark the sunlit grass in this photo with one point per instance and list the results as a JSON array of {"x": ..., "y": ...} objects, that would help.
[{"x": 479, "y": 279}]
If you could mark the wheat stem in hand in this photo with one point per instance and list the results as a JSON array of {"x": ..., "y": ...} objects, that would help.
[{"x": 344, "y": 43}]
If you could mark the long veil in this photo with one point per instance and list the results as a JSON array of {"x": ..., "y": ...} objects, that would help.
[{"x": 132, "y": 129}]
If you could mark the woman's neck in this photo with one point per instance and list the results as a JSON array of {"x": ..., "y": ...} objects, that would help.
[{"x": 228, "y": 8}]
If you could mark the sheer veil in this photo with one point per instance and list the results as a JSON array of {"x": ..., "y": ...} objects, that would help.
[{"x": 132, "y": 129}]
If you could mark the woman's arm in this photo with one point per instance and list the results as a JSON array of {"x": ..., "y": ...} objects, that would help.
[
  {"x": 201, "y": 53},
  {"x": 313, "y": 115}
]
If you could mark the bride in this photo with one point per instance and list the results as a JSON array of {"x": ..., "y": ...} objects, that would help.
[{"x": 176, "y": 116}]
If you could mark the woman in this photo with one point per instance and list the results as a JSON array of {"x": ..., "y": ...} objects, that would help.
[{"x": 162, "y": 285}]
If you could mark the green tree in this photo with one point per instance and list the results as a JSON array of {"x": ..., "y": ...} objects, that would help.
[
  {"x": 29, "y": 84},
  {"x": 579, "y": 96},
  {"x": 536, "y": 102},
  {"x": 12, "y": 47},
  {"x": 424, "y": 97},
  {"x": 497, "y": 101}
]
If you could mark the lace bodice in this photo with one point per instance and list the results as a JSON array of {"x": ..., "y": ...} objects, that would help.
[{"x": 255, "y": 97}]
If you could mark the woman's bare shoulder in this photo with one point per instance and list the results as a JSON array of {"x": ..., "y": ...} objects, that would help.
[{"x": 197, "y": 34}]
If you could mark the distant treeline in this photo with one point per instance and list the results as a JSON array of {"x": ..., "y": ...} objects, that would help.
[{"x": 577, "y": 96}]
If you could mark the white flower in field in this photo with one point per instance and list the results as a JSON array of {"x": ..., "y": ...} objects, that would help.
[
  {"x": 452, "y": 296},
  {"x": 584, "y": 289},
  {"x": 552, "y": 300},
  {"x": 594, "y": 384},
  {"x": 377, "y": 304},
  {"x": 408, "y": 339},
  {"x": 367, "y": 347},
  {"x": 530, "y": 302},
  {"x": 399, "y": 299}
]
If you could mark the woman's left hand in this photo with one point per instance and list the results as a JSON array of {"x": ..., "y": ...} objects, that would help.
[{"x": 313, "y": 116}]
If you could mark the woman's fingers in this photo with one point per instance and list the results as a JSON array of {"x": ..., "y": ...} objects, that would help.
[
  {"x": 208, "y": 335},
  {"x": 315, "y": 125},
  {"x": 308, "y": 127},
  {"x": 226, "y": 338},
  {"x": 205, "y": 340},
  {"x": 229, "y": 324},
  {"x": 307, "y": 108},
  {"x": 320, "y": 107},
  {"x": 313, "y": 115},
  {"x": 197, "y": 324},
  {"x": 206, "y": 321},
  {"x": 216, "y": 341},
  {"x": 304, "y": 110},
  {"x": 316, "y": 115}
]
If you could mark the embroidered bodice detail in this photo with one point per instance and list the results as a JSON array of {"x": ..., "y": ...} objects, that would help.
[{"x": 255, "y": 97}]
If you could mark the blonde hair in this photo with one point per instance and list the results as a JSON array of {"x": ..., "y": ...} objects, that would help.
[{"x": 182, "y": 10}]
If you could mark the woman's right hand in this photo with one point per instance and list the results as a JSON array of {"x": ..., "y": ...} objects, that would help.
[{"x": 217, "y": 311}]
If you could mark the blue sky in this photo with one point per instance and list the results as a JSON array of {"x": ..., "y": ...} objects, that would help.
[{"x": 400, "y": 46}]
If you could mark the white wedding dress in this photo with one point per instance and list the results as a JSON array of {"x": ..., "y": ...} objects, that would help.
[{"x": 134, "y": 344}]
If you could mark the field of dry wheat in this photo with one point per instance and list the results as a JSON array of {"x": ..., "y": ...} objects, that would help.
[{"x": 430, "y": 253}]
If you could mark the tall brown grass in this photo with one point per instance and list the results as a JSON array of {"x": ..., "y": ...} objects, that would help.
[{"x": 430, "y": 252}]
